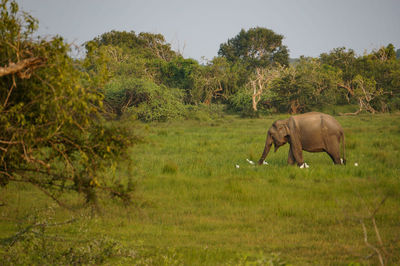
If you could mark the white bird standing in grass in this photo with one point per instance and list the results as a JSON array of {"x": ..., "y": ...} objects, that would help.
[
  {"x": 250, "y": 162},
  {"x": 304, "y": 165}
]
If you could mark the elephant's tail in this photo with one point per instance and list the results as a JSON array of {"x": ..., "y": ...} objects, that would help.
[{"x": 343, "y": 149}]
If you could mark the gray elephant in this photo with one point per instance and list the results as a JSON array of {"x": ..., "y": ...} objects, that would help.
[{"x": 312, "y": 132}]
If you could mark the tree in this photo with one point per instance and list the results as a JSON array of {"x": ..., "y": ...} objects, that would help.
[
  {"x": 382, "y": 68},
  {"x": 365, "y": 91},
  {"x": 346, "y": 61},
  {"x": 147, "y": 44},
  {"x": 306, "y": 86},
  {"x": 142, "y": 75},
  {"x": 261, "y": 82},
  {"x": 128, "y": 54},
  {"x": 255, "y": 48},
  {"x": 52, "y": 135},
  {"x": 216, "y": 81},
  {"x": 181, "y": 73}
]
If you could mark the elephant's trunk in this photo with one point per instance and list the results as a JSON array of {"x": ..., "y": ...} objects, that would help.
[{"x": 268, "y": 144}]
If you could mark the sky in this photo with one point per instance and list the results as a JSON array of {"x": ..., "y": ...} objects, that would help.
[{"x": 197, "y": 28}]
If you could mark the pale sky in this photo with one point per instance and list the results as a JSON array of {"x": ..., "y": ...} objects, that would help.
[{"x": 309, "y": 27}]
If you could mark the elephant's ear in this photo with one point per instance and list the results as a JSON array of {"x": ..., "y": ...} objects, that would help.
[
  {"x": 294, "y": 139},
  {"x": 286, "y": 128}
]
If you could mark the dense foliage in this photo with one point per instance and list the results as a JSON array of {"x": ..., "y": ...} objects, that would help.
[
  {"x": 52, "y": 134},
  {"x": 369, "y": 83},
  {"x": 257, "y": 47},
  {"x": 251, "y": 75}
]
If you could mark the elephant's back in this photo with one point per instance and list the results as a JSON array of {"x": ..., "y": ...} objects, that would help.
[
  {"x": 331, "y": 123},
  {"x": 317, "y": 119}
]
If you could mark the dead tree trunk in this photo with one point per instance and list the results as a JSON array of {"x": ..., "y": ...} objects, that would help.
[{"x": 260, "y": 83}]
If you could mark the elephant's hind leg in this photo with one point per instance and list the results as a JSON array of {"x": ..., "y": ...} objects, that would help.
[
  {"x": 333, "y": 150},
  {"x": 335, "y": 157}
]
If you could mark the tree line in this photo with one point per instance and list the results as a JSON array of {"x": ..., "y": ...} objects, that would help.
[{"x": 251, "y": 75}]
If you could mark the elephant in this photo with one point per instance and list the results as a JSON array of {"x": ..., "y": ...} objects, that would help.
[{"x": 312, "y": 132}]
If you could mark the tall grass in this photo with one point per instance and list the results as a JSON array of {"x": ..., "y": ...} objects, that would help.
[{"x": 193, "y": 206}]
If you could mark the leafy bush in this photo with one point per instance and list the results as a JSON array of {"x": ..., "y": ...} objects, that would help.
[
  {"x": 39, "y": 242},
  {"x": 181, "y": 73},
  {"x": 37, "y": 248},
  {"x": 144, "y": 99},
  {"x": 241, "y": 103},
  {"x": 204, "y": 112}
]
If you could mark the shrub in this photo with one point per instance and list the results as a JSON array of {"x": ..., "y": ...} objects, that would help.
[
  {"x": 241, "y": 103},
  {"x": 204, "y": 112},
  {"x": 144, "y": 99}
]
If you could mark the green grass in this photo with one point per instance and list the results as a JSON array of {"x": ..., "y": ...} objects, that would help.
[{"x": 193, "y": 206}]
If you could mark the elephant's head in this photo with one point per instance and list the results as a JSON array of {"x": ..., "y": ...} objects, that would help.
[{"x": 278, "y": 134}]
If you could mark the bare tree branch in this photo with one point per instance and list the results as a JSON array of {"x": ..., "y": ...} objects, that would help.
[
  {"x": 18, "y": 68},
  {"x": 370, "y": 245},
  {"x": 261, "y": 81},
  {"x": 13, "y": 239}
]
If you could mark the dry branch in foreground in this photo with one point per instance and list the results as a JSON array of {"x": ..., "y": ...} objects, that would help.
[{"x": 23, "y": 68}]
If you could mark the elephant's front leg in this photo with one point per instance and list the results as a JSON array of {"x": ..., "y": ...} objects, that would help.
[
  {"x": 291, "y": 160},
  {"x": 297, "y": 154}
]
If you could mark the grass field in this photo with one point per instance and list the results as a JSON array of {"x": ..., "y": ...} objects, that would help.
[{"x": 193, "y": 206}]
